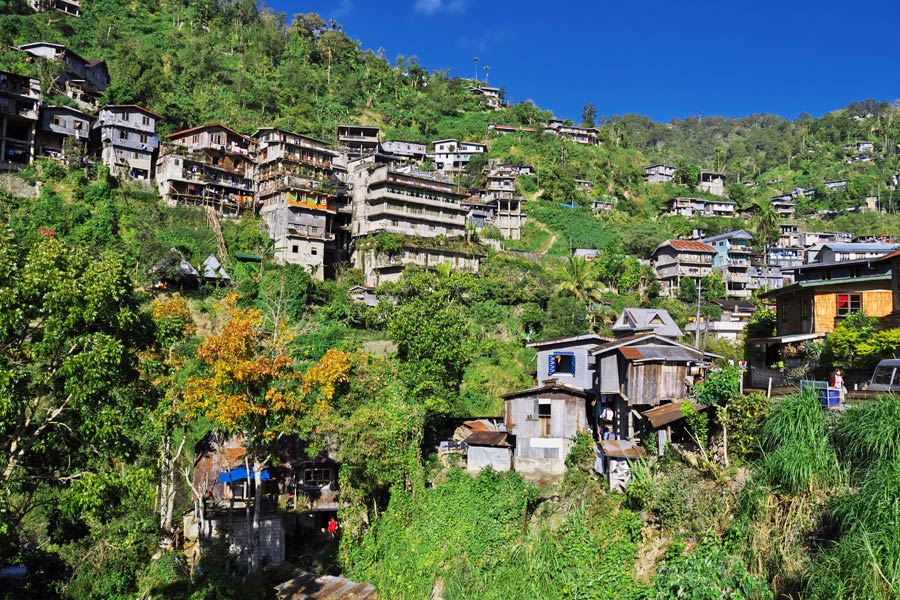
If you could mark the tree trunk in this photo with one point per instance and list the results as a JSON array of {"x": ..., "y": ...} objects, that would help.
[
  {"x": 167, "y": 482},
  {"x": 257, "y": 509}
]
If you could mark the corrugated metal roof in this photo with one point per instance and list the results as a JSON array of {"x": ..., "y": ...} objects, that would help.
[
  {"x": 690, "y": 246},
  {"x": 621, "y": 449},
  {"x": 567, "y": 390},
  {"x": 488, "y": 438},
  {"x": 675, "y": 353},
  {"x": 844, "y": 281},
  {"x": 310, "y": 586},
  {"x": 668, "y": 413},
  {"x": 631, "y": 353}
]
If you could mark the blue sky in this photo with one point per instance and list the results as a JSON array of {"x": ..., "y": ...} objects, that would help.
[{"x": 660, "y": 58}]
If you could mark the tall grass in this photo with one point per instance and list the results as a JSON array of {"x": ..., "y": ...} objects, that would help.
[
  {"x": 864, "y": 561},
  {"x": 870, "y": 431},
  {"x": 797, "y": 454}
]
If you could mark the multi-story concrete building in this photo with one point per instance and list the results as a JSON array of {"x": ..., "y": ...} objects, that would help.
[
  {"x": 589, "y": 136},
  {"x": 358, "y": 140},
  {"x": 83, "y": 80},
  {"x": 70, "y": 7},
  {"x": 20, "y": 98},
  {"x": 125, "y": 135},
  {"x": 414, "y": 151},
  {"x": 700, "y": 207},
  {"x": 417, "y": 208},
  {"x": 210, "y": 165},
  {"x": 674, "y": 260},
  {"x": 63, "y": 133},
  {"x": 491, "y": 95},
  {"x": 500, "y": 193},
  {"x": 712, "y": 182},
  {"x": 659, "y": 173},
  {"x": 453, "y": 156},
  {"x": 296, "y": 191},
  {"x": 733, "y": 260}
]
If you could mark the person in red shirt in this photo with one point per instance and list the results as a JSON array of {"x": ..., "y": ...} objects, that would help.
[{"x": 332, "y": 527}]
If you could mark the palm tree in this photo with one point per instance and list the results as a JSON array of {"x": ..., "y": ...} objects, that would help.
[
  {"x": 579, "y": 280},
  {"x": 765, "y": 224}
]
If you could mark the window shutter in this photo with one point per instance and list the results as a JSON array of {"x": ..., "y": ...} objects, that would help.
[{"x": 551, "y": 366}]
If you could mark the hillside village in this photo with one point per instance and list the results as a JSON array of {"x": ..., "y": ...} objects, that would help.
[{"x": 598, "y": 375}]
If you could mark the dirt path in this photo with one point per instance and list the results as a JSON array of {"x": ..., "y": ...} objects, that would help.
[{"x": 553, "y": 237}]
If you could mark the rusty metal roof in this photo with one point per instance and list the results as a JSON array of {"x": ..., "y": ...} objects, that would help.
[
  {"x": 655, "y": 352},
  {"x": 310, "y": 586},
  {"x": 488, "y": 438},
  {"x": 621, "y": 449},
  {"x": 691, "y": 246},
  {"x": 668, "y": 413}
]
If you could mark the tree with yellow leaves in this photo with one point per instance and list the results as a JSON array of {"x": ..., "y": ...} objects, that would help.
[{"x": 250, "y": 388}]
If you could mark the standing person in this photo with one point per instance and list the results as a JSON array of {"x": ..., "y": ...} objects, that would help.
[
  {"x": 837, "y": 381},
  {"x": 332, "y": 527}
]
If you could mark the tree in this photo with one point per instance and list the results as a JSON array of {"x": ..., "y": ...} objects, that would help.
[
  {"x": 250, "y": 390},
  {"x": 687, "y": 290},
  {"x": 713, "y": 287},
  {"x": 588, "y": 115},
  {"x": 765, "y": 224},
  {"x": 68, "y": 328},
  {"x": 579, "y": 279},
  {"x": 719, "y": 388},
  {"x": 432, "y": 337}
]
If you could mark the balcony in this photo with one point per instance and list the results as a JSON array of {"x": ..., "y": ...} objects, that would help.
[
  {"x": 414, "y": 214},
  {"x": 309, "y": 232},
  {"x": 422, "y": 199}
]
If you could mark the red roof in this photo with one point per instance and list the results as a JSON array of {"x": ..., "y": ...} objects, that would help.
[{"x": 691, "y": 246}]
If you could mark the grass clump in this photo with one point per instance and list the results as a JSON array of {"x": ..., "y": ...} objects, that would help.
[{"x": 797, "y": 454}]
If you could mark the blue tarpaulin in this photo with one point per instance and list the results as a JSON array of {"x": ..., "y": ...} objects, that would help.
[{"x": 241, "y": 473}]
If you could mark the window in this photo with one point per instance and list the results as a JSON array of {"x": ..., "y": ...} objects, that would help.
[
  {"x": 316, "y": 477},
  {"x": 145, "y": 120},
  {"x": 562, "y": 363},
  {"x": 544, "y": 409},
  {"x": 144, "y": 138},
  {"x": 314, "y": 251},
  {"x": 125, "y": 117},
  {"x": 123, "y": 135},
  {"x": 79, "y": 125},
  {"x": 848, "y": 303},
  {"x": 883, "y": 375},
  {"x": 295, "y": 249},
  {"x": 58, "y": 121}
]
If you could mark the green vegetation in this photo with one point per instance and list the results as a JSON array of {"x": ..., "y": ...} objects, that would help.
[{"x": 103, "y": 378}]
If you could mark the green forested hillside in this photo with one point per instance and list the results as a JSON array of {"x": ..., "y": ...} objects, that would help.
[{"x": 107, "y": 385}]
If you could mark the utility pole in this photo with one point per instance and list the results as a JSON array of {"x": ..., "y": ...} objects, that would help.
[
  {"x": 476, "y": 71},
  {"x": 697, "y": 323}
]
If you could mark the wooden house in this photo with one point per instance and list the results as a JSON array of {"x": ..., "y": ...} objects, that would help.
[
  {"x": 567, "y": 360},
  {"x": 211, "y": 165},
  {"x": 20, "y": 98},
  {"x": 638, "y": 373},
  {"x": 821, "y": 297},
  {"x": 544, "y": 419},
  {"x": 674, "y": 260}
]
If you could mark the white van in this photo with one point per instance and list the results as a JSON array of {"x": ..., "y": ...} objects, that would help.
[{"x": 886, "y": 377}]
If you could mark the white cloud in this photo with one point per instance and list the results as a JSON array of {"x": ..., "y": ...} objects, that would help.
[
  {"x": 343, "y": 9},
  {"x": 433, "y": 7},
  {"x": 485, "y": 41}
]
